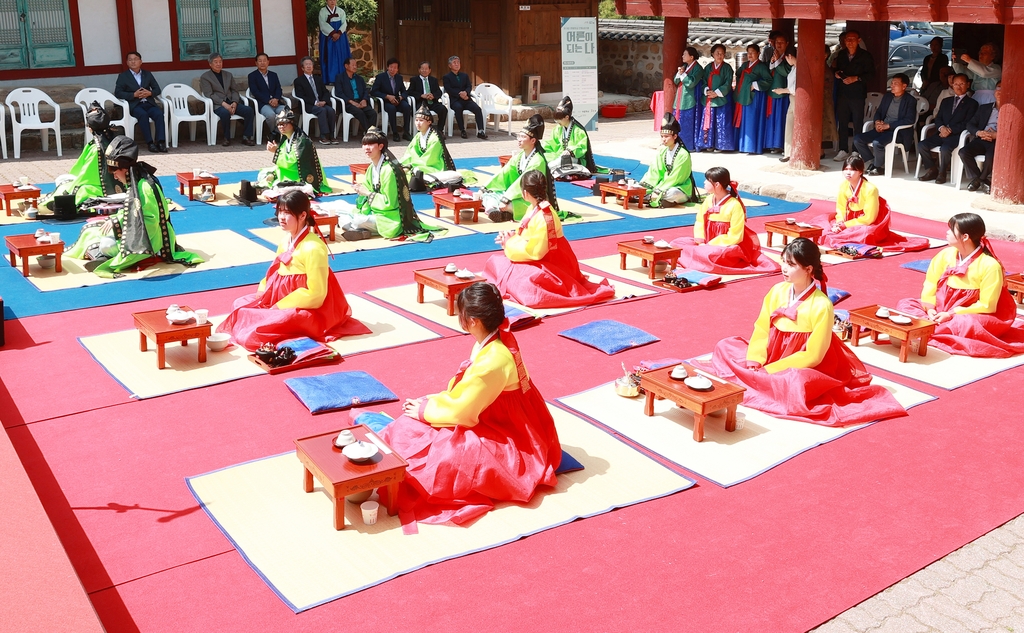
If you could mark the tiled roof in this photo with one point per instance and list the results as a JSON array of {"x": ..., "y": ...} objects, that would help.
[{"x": 700, "y": 33}]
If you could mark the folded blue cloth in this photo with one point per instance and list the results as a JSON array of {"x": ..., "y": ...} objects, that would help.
[
  {"x": 340, "y": 390},
  {"x": 842, "y": 315},
  {"x": 373, "y": 421},
  {"x": 920, "y": 265},
  {"x": 697, "y": 277},
  {"x": 568, "y": 464},
  {"x": 611, "y": 337},
  {"x": 836, "y": 295}
]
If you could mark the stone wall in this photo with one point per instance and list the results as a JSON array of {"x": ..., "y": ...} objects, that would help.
[
  {"x": 634, "y": 68},
  {"x": 361, "y": 43}
]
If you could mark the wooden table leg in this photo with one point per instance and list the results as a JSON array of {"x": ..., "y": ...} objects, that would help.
[
  {"x": 142, "y": 342},
  {"x": 213, "y": 190},
  {"x": 855, "y": 334},
  {"x": 922, "y": 349},
  {"x": 419, "y": 293},
  {"x": 904, "y": 349},
  {"x": 649, "y": 404},
  {"x": 202, "y": 349},
  {"x": 14, "y": 260},
  {"x": 457, "y": 214},
  {"x": 785, "y": 239},
  {"x": 622, "y": 261},
  {"x": 770, "y": 236},
  {"x": 874, "y": 336},
  {"x": 333, "y": 234},
  {"x": 639, "y": 202},
  {"x": 24, "y": 266},
  {"x": 698, "y": 427},
  {"x": 604, "y": 196},
  {"x": 59, "y": 268},
  {"x": 437, "y": 209},
  {"x": 451, "y": 303},
  {"x": 339, "y": 513},
  {"x": 392, "y": 495},
  {"x": 307, "y": 480},
  {"x": 625, "y": 202},
  {"x": 643, "y": 263},
  {"x": 730, "y": 419},
  {"x": 650, "y": 273},
  {"x": 161, "y": 355},
  {"x": 181, "y": 188},
  {"x": 184, "y": 343}
]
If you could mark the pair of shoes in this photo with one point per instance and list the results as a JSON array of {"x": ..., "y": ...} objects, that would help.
[
  {"x": 986, "y": 188},
  {"x": 942, "y": 179},
  {"x": 784, "y": 159},
  {"x": 929, "y": 175},
  {"x": 464, "y": 135},
  {"x": 874, "y": 171},
  {"x": 325, "y": 141},
  {"x": 481, "y": 134},
  {"x": 841, "y": 156},
  {"x": 248, "y": 141},
  {"x": 974, "y": 185},
  {"x": 162, "y": 146},
  {"x": 153, "y": 148},
  {"x": 407, "y": 137},
  {"x": 354, "y": 235},
  {"x": 396, "y": 137},
  {"x": 226, "y": 142}
]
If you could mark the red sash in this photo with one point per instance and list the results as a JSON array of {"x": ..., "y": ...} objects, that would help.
[
  {"x": 706, "y": 124},
  {"x": 682, "y": 86},
  {"x": 790, "y": 311},
  {"x": 544, "y": 207},
  {"x": 854, "y": 198},
  {"x": 738, "y": 115},
  {"x": 509, "y": 341}
]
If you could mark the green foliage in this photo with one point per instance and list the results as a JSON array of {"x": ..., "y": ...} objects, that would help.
[
  {"x": 361, "y": 13},
  {"x": 606, "y": 11}
]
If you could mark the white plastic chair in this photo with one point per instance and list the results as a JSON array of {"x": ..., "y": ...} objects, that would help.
[
  {"x": 487, "y": 95},
  {"x": 175, "y": 102},
  {"x": 344, "y": 119},
  {"x": 894, "y": 145},
  {"x": 26, "y": 117},
  {"x": 871, "y": 103},
  {"x": 86, "y": 96},
  {"x": 955, "y": 165},
  {"x": 957, "y": 173},
  {"x": 3, "y": 130},
  {"x": 450, "y": 125},
  {"x": 385, "y": 118},
  {"x": 305, "y": 118}
]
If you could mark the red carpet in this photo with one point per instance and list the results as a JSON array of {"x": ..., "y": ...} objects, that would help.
[{"x": 782, "y": 552}]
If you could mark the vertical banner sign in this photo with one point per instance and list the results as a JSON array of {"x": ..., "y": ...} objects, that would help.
[{"x": 579, "y": 68}]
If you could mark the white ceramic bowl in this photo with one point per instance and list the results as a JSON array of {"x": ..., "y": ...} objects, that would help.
[
  {"x": 648, "y": 239},
  {"x": 698, "y": 382},
  {"x": 218, "y": 341},
  {"x": 178, "y": 318},
  {"x": 451, "y": 269},
  {"x": 899, "y": 319},
  {"x": 46, "y": 261},
  {"x": 360, "y": 451},
  {"x": 344, "y": 439},
  {"x": 465, "y": 274},
  {"x": 882, "y": 313},
  {"x": 679, "y": 372},
  {"x": 662, "y": 244},
  {"x": 790, "y": 220}
]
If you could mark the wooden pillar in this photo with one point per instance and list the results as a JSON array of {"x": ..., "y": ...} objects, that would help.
[
  {"x": 785, "y": 26},
  {"x": 1007, "y": 176},
  {"x": 810, "y": 88},
  {"x": 875, "y": 36},
  {"x": 672, "y": 47}
]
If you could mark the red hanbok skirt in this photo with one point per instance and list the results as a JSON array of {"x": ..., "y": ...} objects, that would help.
[
  {"x": 553, "y": 282},
  {"x": 458, "y": 473},
  {"x": 876, "y": 234},
  {"x": 744, "y": 258},
  {"x": 255, "y": 321},
  {"x": 835, "y": 393},
  {"x": 978, "y": 335}
]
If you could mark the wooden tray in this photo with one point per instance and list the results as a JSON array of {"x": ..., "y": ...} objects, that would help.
[
  {"x": 661, "y": 284},
  {"x": 282, "y": 369},
  {"x": 851, "y": 257}
]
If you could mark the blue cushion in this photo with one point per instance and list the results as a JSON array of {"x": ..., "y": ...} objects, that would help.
[
  {"x": 340, "y": 390},
  {"x": 568, "y": 464},
  {"x": 837, "y": 294},
  {"x": 698, "y": 278},
  {"x": 920, "y": 265},
  {"x": 611, "y": 337},
  {"x": 373, "y": 421},
  {"x": 842, "y": 315}
]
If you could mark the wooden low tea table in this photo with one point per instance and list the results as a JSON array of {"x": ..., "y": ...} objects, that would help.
[
  {"x": 186, "y": 179},
  {"x": 26, "y": 246},
  {"x": 791, "y": 230},
  {"x": 918, "y": 330},
  {"x": 1015, "y": 284},
  {"x": 457, "y": 205},
  {"x": 625, "y": 192},
  {"x": 330, "y": 221},
  {"x": 358, "y": 168},
  {"x": 649, "y": 254},
  {"x": 341, "y": 477},
  {"x": 10, "y": 193},
  {"x": 447, "y": 283},
  {"x": 504, "y": 159},
  {"x": 723, "y": 395},
  {"x": 153, "y": 324}
]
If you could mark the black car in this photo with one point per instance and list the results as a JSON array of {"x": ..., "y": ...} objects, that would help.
[{"x": 906, "y": 58}]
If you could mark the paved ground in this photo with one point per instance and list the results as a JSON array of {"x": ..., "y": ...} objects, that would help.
[{"x": 978, "y": 588}]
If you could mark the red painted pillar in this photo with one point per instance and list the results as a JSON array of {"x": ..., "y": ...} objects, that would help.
[
  {"x": 810, "y": 87},
  {"x": 672, "y": 47},
  {"x": 1007, "y": 176}
]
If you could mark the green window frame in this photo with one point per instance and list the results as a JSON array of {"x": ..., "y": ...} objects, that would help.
[
  {"x": 222, "y": 26},
  {"x": 35, "y": 34}
]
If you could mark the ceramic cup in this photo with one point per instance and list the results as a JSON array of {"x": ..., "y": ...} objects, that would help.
[
  {"x": 790, "y": 220},
  {"x": 451, "y": 268},
  {"x": 196, "y": 172},
  {"x": 648, "y": 239},
  {"x": 173, "y": 308},
  {"x": 369, "y": 510},
  {"x": 23, "y": 180},
  {"x": 202, "y": 316},
  {"x": 54, "y": 238},
  {"x": 679, "y": 372}
]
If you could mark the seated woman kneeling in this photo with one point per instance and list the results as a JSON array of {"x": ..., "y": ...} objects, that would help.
[
  {"x": 794, "y": 355},
  {"x": 721, "y": 243},
  {"x": 488, "y": 438},
  {"x": 295, "y": 158},
  {"x": 538, "y": 268},
  {"x": 964, "y": 293},
  {"x": 862, "y": 216},
  {"x": 299, "y": 296}
]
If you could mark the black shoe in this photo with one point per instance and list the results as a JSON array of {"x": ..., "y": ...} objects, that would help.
[
  {"x": 464, "y": 135},
  {"x": 226, "y": 142},
  {"x": 784, "y": 159},
  {"x": 497, "y": 216},
  {"x": 153, "y": 148},
  {"x": 355, "y": 235},
  {"x": 929, "y": 175},
  {"x": 481, "y": 134},
  {"x": 407, "y": 137},
  {"x": 975, "y": 185},
  {"x": 248, "y": 142},
  {"x": 875, "y": 171},
  {"x": 941, "y": 179},
  {"x": 396, "y": 137},
  {"x": 162, "y": 145}
]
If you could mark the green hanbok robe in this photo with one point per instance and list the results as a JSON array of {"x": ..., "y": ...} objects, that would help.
[
  {"x": 391, "y": 201},
  {"x": 296, "y": 160},
  {"x": 671, "y": 168},
  {"x": 573, "y": 139},
  {"x": 427, "y": 153},
  {"x": 142, "y": 230},
  {"x": 720, "y": 81},
  {"x": 685, "y": 98},
  {"x": 507, "y": 182},
  {"x": 779, "y": 79},
  {"x": 92, "y": 179},
  {"x": 759, "y": 73}
]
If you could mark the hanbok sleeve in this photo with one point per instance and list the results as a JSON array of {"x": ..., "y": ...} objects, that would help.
[
  {"x": 819, "y": 309},
  {"x": 989, "y": 290},
  {"x": 869, "y": 200},
  {"x": 698, "y": 226},
  {"x": 310, "y": 257},
  {"x": 325, "y": 26},
  {"x": 733, "y": 212},
  {"x": 506, "y": 176},
  {"x": 553, "y": 145},
  {"x": 578, "y": 142},
  {"x": 480, "y": 386},
  {"x": 532, "y": 244},
  {"x": 680, "y": 174},
  {"x": 931, "y": 278},
  {"x": 410, "y": 153},
  {"x": 757, "y": 351},
  {"x": 841, "y": 199},
  {"x": 344, "y": 20},
  {"x": 387, "y": 198}
]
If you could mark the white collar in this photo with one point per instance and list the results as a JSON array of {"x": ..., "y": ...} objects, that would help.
[
  {"x": 803, "y": 295},
  {"x": 960, "y": 260},
  {"x": 479, "y": 345}
]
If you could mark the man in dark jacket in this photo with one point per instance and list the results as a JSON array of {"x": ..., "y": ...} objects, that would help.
[
  {"x": 310, "y": 89},
  {"x": 853, "y": 68},
  {"x": 265, "y": 88},
  {"x": 139, "y": 88},
  {"x": 425, "y": 90},
  {"x": 390, "y": 87},
  {"x": 351, "y": 89},
  {"x": 216, "y": 85},
  {"x": 954, "y": 113},
  {"x": 983, "y": 127},
  {"x": 896, "y": 109},
  {"x": 459, "y": 89}
]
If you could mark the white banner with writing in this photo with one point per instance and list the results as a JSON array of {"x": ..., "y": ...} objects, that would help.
[{"x": 579, "y": 68}]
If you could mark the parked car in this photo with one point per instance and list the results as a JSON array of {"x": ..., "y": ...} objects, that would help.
[
  {"x": 924, "y": 39},
  {"x": 906, "y": 58},
  {"x": 900, "y": 28}
]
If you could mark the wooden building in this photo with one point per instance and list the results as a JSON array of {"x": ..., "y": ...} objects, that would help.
[
  {"x": 498, "y": 41},
  {"x": 975, "y": 21}
]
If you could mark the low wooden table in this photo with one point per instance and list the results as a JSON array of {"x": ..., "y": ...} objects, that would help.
[
  {"x": 791, "y": 230},
  {"x": 26, "y": 246},
  {"x": 457, "y": 205},
  {"x": 649, "y": 254},
  {"x": 723, "y": 395},
  {"x": 504, "y": 159},
  {"x": 1015, "y": 284},
  {"x": 186, "y": 179},
  {"x": 918, "y": 330},
  {"x": 340, "y": 477},
  {"x": 330, "y": 221},
  {"x": 356, "y": 169},
  {"x": 153, "y": 324},
  {"x": 447, "y": 283},
  {"x": 625, "y": 192},
  {"x": 10, "y": 193}
]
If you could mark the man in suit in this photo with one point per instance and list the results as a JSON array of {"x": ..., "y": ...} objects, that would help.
[
  {"x": 983, "y": 126},
  {"x": 425, "y": 90},
  {"x": 315, "y": 98},
  {"x": 954, "y": 113},
  {"x": 351, "y": 88},
  {"x": 265, "y": 88},
  {"x": 896, "y": 109},
  {"x": 139, "y": 88},
  {"x": 390, "y": 87},
  {"x": 458, "y": 87},
  {"x": 215, "y": 84},
  {"x": 853, "y": 68}
]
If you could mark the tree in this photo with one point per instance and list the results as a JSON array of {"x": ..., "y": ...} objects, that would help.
[{"x": 361, "y": 13}]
